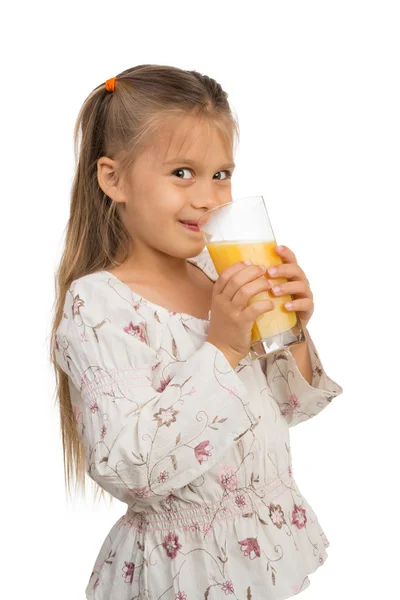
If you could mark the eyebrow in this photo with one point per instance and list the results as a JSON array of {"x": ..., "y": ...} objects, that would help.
[{"x": 182, "y": 160}]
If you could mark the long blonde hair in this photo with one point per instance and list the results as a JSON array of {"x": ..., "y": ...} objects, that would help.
[{"x": 119, "y": 123}]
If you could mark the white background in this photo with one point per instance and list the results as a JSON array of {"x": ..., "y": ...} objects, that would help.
[{"x": 316, "y": 89}]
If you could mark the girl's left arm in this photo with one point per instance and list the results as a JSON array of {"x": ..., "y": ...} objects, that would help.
[
  {"x": 297, "y": 399},
  {"x": 296, "y": 378}
]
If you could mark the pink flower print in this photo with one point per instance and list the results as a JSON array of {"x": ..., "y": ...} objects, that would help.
[
  {"x": 294, "y": 402},
  {"x": 93, "y": 406},
  {"x": 163, "y": 476},
  {"x": 84, "y": 379},
  {"x": 193, "y": 527},
  {"x": 135, "y": 330},
  {"x": 96, "y": 583},
  {"x": 165, "y": 416},
  {"x": 276, "y": 515},
  {"x": 143, "y": 492},
  {"x": 227, "y": 586},
  {"x": 76, "y": 305},
  {"x": 171, "y": 544},
  {"x": 169, "y": 499},
  {"x": 299, "y": 517},
  {"x": 103, "y": 432},
  {"x": 227, "y": 477},
  {"x": 250, "y": 546},
  {"x": 181, "y": 596},
  {"x": 240, "y": 500},
  {"x": 155, "y": 366},
  {"x": 164, "y": 383},
  {"x": 128, "y": 571},
  {"x": 192, "y": 391},
  {"x": 290, "y": 470},
  {"x": 325, "y": 540},
  {"x": 212, "y": 575},
  {"x": 57, "y": 347},
  {"x": 202, "y": 451},
  {"x": 207, "y": 529},
  {"x": 232, "y": 391},
  {"x": 83, "y": 337}
]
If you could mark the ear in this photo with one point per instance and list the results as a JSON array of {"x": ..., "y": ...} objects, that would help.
[{"x": 108, "y": 178}]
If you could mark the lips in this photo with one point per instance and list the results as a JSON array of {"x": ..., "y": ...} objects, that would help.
[{"x": 191, "y": 225}]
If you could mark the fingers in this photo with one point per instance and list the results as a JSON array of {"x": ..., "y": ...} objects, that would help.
[
  {"x": 244, "y": 293},
  {"x": 302, "y": 305},
  {"x": 258, "y": 308},
  {"x": 286, "y": 254},
  {"x": 238, "y": 286},
  {"x": 225, "y": 276},
  {"x": 299, "y": 288},
  {"x": 286, "y": 270},
  {"x": 240, "y": 278}
]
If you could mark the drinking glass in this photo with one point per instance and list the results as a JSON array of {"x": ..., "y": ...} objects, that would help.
[{"x": 241, "y": 230}]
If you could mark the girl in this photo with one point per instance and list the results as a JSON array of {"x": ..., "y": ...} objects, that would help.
[{"x": 160, "y": 401}]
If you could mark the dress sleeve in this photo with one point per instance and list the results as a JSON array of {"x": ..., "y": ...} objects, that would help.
[
  {"x": 297, "y": 400},
  {"x": 145, "y": 438}
]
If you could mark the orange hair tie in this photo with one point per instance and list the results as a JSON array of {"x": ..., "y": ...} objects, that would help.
[{"x": 110, "y": 84}]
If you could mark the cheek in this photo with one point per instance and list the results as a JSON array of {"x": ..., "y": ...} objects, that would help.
[
  {"x": 154, "y": 202},
  {"x": 168, "y": 205},
  {"x": 155, "y": 216}
]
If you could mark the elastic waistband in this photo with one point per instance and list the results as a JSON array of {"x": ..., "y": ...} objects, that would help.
[{"x": 201, "y": 517}]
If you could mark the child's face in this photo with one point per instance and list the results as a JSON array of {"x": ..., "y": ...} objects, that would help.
[{"x": 160, "y": 191}]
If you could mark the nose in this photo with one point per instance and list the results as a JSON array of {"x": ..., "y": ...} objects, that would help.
[
  {"x": 209, "y": 205},
  {"x": 208, "y": 200}
]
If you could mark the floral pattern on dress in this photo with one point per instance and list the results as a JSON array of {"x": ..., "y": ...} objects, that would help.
[{"x": 198, "y": 451}]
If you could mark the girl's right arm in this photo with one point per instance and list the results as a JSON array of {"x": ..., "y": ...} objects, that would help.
[{"x": 147, "y": 438}]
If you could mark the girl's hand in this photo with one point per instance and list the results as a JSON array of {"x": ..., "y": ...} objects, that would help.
[
  {"x": 297, "y": 285},
  {"x": 232, "y": 319}
]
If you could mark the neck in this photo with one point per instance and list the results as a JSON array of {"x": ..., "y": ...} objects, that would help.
[{"x": 145, "y": 261}]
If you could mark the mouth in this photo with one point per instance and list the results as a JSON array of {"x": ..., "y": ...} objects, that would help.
[{"x": 191, "y": 225}]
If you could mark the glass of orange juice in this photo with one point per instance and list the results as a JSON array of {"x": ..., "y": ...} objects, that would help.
[{"x": 241, "y": 230}]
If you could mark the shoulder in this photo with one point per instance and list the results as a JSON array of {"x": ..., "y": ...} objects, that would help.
[
  {"x": 98, "y": 295},
  {"x": 97, "y": 306},
  {"x": 101, "y": 326}
]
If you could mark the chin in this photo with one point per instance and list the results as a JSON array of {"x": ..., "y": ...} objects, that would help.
[{"x": 190, "y": 250}]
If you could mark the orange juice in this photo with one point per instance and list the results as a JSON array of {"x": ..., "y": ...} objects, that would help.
[{"x": 224, "y": 254}]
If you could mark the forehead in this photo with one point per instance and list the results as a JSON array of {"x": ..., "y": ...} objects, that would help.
[{"x": 197, "y": 139}]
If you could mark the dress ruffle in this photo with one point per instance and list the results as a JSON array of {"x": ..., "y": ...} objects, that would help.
[{"x": 221, "y": 540}]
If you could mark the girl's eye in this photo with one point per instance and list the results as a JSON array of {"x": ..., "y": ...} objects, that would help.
[
  {"x": 229, "y": 173},
  {"x": 180, "y": 171}
]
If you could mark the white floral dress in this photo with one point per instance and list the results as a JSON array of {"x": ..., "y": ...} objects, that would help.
[{"x": 198, "y": 451}]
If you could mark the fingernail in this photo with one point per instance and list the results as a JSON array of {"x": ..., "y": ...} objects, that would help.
[
  {"x": 279, "y": 248},
  {"x": 272, "y": 270},
  {"x": 248, "y": 262},
  {"x": 263, "y": 269}
]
